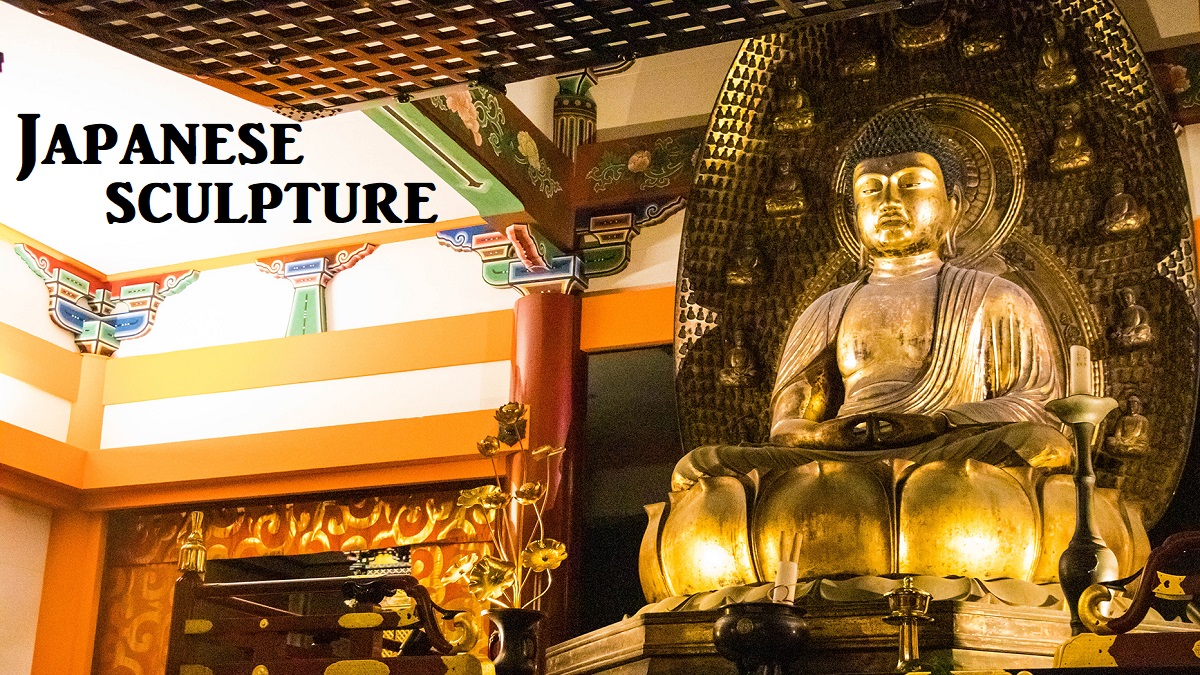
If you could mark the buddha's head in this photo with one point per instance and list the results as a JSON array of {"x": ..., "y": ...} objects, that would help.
[{"x": 906, "y": 188}]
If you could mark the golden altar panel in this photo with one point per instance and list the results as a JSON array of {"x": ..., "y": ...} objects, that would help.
[{"x": 135, "y": 604}]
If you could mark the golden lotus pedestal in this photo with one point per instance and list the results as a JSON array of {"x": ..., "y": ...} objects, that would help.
[{"x": 849, "y": 637}]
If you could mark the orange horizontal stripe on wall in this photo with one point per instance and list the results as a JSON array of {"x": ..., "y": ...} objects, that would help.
[
  {"x": 627, "y": 319},
  {"x": 39, "y": 363},
  {"x": 437, "y": 438},
  {"x": 36, "y": 454},
  {"x": 394, "y": 348}
]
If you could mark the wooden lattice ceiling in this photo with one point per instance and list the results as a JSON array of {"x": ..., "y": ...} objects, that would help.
[{"x": 312, "y": 58}]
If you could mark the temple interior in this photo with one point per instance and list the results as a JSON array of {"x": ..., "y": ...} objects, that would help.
[{"x": 572, "y": 338}]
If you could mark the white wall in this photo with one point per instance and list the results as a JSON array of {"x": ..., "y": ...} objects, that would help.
[
  {"x": 654, "y": 258},
  {"x": 400, "y": 282},
  {"x": 353, "y": 400},
  {"x": 24, "y": 536},
  {"x": 25, "y": 302}
]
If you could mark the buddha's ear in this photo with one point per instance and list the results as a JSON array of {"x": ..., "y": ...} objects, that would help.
[
  {"x": 955, "y": 201},
  {"x": 956, "y": 204}
]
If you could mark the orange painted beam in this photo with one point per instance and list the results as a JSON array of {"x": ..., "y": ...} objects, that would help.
[
  {"x": 394, "y": 348},
  {"x": 288, "y": 483},
  {"x": 37, "y": 362},
  {"x": 87, "y": 415},
  {"x": 37, "y": 490},
  {"x": 35, "y": 454},
  {"x": 627, "y": 319},
  {"x": 70, "y": 606},
  {"x": 396, "y": 442}
]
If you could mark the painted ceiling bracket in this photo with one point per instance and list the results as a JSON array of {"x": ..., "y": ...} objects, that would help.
[
  {"x": 521, "y": 258},
  {"x": 100, "y": 314},
  {"x": 309, "y": 273}
]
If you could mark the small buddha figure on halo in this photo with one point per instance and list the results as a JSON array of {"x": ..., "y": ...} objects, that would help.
[
  {"x": 1131, "y": 437},
  {"x": 907, "y": 417},
  {"x": 1122, "y": 213},
  {"x": 793, "y": 111},
  {"x": 1133, "y": 323},
  {"x": 1071, "y": 149},
  {"x": 1130, "y": 440},
  {"x": 859, "y": 61},
  {"x": 1055, "y": 70},
  {"x": 786, "y": 192},
  {"x": 740, "y": 369},
  {"x": 744, "y": 267}
]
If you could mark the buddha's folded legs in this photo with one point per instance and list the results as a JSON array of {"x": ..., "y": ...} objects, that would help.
[{"x": 1011, "y": 444}]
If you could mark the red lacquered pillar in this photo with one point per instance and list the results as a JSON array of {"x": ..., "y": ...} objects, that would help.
[{"x": 549, "y": 376}]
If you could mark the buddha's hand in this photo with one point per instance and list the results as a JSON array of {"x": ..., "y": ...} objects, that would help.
[
  {"x": 852, "y": 432},
  {"x": 896, "y": 430},
  {"x": 868, "y": 431}
]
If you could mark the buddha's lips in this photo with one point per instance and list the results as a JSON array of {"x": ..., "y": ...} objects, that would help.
[{"x": 893, "y": 222}]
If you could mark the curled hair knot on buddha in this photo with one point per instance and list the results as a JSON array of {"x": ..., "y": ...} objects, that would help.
[{"x": 907, "y": 131}]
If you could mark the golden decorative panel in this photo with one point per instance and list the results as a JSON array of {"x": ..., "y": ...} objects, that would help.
[
  {"x": 136, "y": 599},
  {"x": 301, "y": 527}
]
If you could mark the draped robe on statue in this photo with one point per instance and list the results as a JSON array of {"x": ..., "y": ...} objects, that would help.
[{"x": 990, "y": 371}]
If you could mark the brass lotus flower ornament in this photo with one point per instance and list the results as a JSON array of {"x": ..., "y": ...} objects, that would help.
[
  {"x": 514, "y": 576},
  {"x": 489, "y": 446},
  {"x": 459, "y": 569},
  {"x": 543, "y": 555},
  {"x": 490, "y": 577},
  {"x": 487, "y": 496},
  {"x": 530, "y": 493},
  {"x": 510, "y": 419}
]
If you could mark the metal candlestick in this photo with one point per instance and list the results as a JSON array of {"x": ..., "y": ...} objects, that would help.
[
  {"x": 1087, "y": 559},
  {"x": 910, "y": 606}
]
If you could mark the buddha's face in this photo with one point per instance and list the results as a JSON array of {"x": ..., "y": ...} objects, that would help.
[{"x": 900, "y": 204}]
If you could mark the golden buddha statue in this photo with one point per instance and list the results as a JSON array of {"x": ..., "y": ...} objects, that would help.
[
  {"x": 908, "y": 431},
  {"x": 745, "y": 265},
  {"x": 740, "y": 369},
  {"x": 1131, "y": 437},
  {"x": 1122, "y": 214},
  {"x": 1071, "y": 149},
  {"x": 1133, "y": 323},
  {"x": 1055, "y": 70},
  {"x": 793, "y": 110},
  {"x": 786, "y": 192}
]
